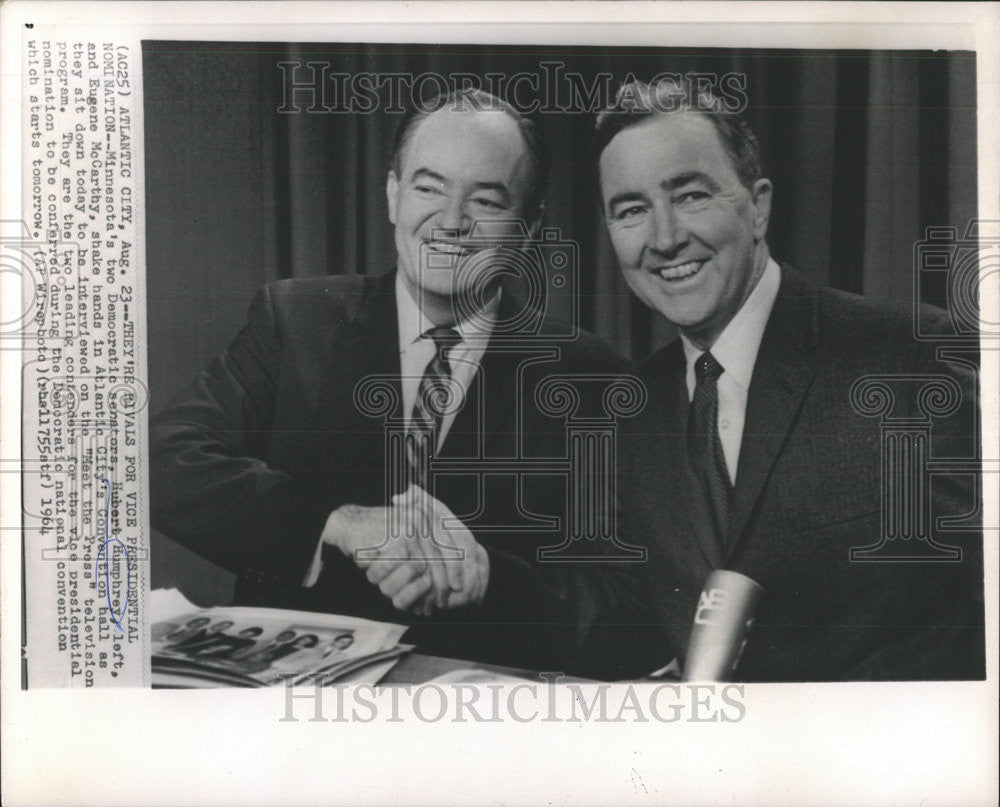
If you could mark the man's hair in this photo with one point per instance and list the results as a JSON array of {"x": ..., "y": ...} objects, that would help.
[
  {"x": 638, "y": 100},
  {"x": 476, "y": 100}
]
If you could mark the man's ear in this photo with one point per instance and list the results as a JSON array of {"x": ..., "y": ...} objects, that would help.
[
  {"x": 391, "y": 193},
  {"x": 761, "y": 198}
]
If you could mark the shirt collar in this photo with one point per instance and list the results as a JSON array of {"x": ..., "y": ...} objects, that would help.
[
  {"x": 413, "y": 324},
  {"x": 737, "y": 346}
]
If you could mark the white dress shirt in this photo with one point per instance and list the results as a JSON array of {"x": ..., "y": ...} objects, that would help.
[
  {"x": 415, "y": 353},
  {"x": 736, "y": 350}
]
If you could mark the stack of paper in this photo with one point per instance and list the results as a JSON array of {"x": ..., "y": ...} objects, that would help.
[{"x": 257, "y": 647}]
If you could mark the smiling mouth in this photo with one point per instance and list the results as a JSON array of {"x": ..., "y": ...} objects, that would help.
[
  {"x": 448, "y": 248},
  {"x": 680, "y": 271}
]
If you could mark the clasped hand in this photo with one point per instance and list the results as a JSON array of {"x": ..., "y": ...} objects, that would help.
[{"x": 416, "y": 551}]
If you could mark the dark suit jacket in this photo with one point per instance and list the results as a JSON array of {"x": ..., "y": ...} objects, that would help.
[
  {"x": 808, "y": 491},
  {"x": 252, "y": 457}
]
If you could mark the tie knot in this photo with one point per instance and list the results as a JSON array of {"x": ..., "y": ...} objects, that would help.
[
  {"x": 445, "y": 338},
  {"x": 706, "y": 368}
]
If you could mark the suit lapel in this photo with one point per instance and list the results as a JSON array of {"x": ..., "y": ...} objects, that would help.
[
  {"x": 782, "y": 373},
  {"x": 376, "y": 326},
  {"x": 368, "y": 344}
]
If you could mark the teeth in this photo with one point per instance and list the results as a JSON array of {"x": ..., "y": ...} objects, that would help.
[
  {"x": 681, "y": 271},
  {"x": 441, "y": 246}
]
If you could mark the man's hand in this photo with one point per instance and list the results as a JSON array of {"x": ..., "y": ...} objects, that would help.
[
  {"x": 363, "y": 534},
  {"x": 432, "y": 563},
  {"x": 451, "y": 551}
]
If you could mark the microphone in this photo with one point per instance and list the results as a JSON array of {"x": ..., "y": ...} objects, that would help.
[{"x": 722, "y": 623}]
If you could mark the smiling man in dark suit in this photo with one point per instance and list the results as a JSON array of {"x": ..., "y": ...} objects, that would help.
[
  {"x": 277, "y": 464},
  {"x": 751, "y": 455}
]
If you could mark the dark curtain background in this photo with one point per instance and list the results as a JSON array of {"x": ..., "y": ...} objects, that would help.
[{"x": 865, "y": 150}]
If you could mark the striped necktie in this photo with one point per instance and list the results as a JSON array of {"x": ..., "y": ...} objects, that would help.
[
  {"x": 705, "y": 448},
  {"x": 435, "y": 397}
]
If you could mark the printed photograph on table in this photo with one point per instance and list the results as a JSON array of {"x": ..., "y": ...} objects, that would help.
[{"x": 260, "y": 647}]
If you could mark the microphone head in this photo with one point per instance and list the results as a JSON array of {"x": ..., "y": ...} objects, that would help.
[{"x": 722, "y": 623}]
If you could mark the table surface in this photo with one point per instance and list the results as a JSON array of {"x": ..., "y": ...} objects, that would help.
[{"x": 417, "y": 668}]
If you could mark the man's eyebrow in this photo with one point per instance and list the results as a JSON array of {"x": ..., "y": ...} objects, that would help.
[
  {"x": 625, "y": 196},
  {"x": 426, "y": 173},
  {"x": 499, "y": 187},
  {"x": 681, "y": 180},
  {"x": 668, "y": 185}
]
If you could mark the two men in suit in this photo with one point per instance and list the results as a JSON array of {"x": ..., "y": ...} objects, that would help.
[
  {"x": 752, "y": 455},
  {"x": 379, "y": 445},
  {"x": 278, "y": 462}
]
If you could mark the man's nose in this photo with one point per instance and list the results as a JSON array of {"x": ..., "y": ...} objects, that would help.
[
  {"x": 668, "y": 233},
  {"x": 453, "y": 216}
]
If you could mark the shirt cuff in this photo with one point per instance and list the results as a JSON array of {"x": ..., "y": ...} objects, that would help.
[{"x": 316, "y": 567}]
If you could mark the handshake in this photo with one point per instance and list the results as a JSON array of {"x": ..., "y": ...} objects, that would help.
[{"x": 430, "y": 562}]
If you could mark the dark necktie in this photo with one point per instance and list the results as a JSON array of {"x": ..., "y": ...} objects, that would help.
[
  {"x": 705, "y": 447},
  {"x": 434, "y": 397}
]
